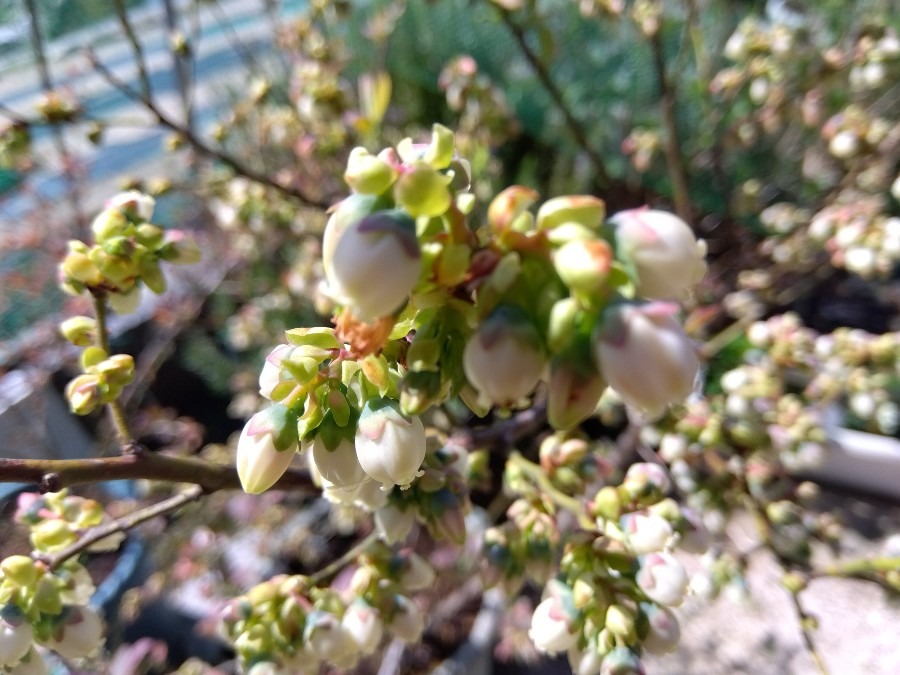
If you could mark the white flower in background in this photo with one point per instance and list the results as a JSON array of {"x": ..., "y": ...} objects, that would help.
[
  {"x": 79, "y": 634},
  {"x": 134, "y": 204},
  {"x": 329, "y": 640},
  {"x": 393, "y": 524},
  {"x": 664, "y": 632},
  {"x": 390, "y": 447},
  {"x": 645, "y": 532},
  {"x": 15, "y": 638},
  {"x": 552, "y": 630},
  {"x": 644, "y": 354},
  {"x": 668, "y": 258},
  {"x": 31, "y": 664},
  {"x": 416, "y": 574},
  {"x": 407, "y": 622}
]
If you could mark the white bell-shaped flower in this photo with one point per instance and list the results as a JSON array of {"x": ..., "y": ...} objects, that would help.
[
  {"x": 15, "y": 638},
  {"x": 79, "y": 634},
  {"x": 662, "y": 579},
  {"x": 338, "y": 466},
  {"x": 364, "y": 625},
  {"x": 644, "y": 354},
  {"x": 552, "y": 630},
  {"x": 645, "y": 532},
  {"x": 664, "y": 632},
  {"x": 390, "y": 446},
  {"x": 407, "y": 622},
  {"x": 260, "y": 461}
]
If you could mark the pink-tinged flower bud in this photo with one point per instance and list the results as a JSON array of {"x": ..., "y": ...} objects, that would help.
[
  {"x": 84, "y": 394},
  {"x": 79, "y": 330},
  {"x": 364, "y": 625},
  {"x": 15, "y": 636},
  {"x": 407, "y": 622},
  {"x": 662, "y": 579},
  {"x": 390, "y": 447},
  {"x": 31, "y": 664},
  {"x": 507, "y": 206},
  {"x": 583, "y": 265},
  {"x": 663, "y": 629},
  {"x": 329, "y": 640},
  {"x": 573, "y": 393},
  {"x": 503, "y": 360},
  {"x": 368, "y": 174},
  {"x": 79, "y": 634},
  {"x": 645, "y": 532},
  {"x": 585, "y": 662},
  {"x": 646, "y": 479},
  {"x": 272, "y": 374},
  {"x": 338, "y": 466},
  {"x": 136, "y": 205},
  {"x": 644, "y": 354},
  {"x": 621, "y": 661},
  {"x": 667, "y": 256},
  {"x": 376, "y": 264},
  {"x": 265, "y": 448},
  {"x": 553, "y": 626},
  {"x": 393, "y": 524}
]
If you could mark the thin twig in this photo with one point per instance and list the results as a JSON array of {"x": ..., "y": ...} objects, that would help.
[
  {"x": 123, "y": 524},
  {"x": 672, "y": 144},
  {"x": 52, "y": 475},
  {"x": 806, "y": 632},
  {"x": 136, "y": 48},
  {"x": 337, "y": 565},
  {"x": 116, "y": 413},
  {"x": 574, "y": 125},
  {"x": 503, "y": 434},
  {"x": 200, "y": 146}
]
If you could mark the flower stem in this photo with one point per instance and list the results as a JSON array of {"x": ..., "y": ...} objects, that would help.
[
  {"x": 543, "y": 482},
  {"x": 116, "y": 413},
  {"x": 336, "y": 566}
]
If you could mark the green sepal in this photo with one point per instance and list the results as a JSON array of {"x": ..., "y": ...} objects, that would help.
[
  {"x": 283, "y": 423},
  {"x": 321, "y": 337},
  {"x": 92, "y": 356}
]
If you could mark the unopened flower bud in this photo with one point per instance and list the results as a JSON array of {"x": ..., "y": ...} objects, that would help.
[
  {"x": 376, "y": 264},
  {"x": 79, "y": 634},
  {"x": 272, "y": 374},
  {"x": 407, "y": 622},
  {"x": 583, "y": 265},
  {"x": 645, "y": 532},
  {"x": 79, "y": 330},
  {"x": 416, "y": 574},
  {"x": 553, "y": 626},
  {"x": 393, "y": 523},
  {"x": 507, "y": 206},
  {"x": 667, "y": 256},
  {"x": 585, "y": 662},
  {"x": 329, "y": 640},
  {"x": 111, "y": 223},
  {"x": 583, "y": 210},
  {"x": 645, "y": 356},
  {"x": 19, "y": 569},
  {"x": 663, "y": 631},
  {"x": 646, "y": 482},
  {"x": 339, "y": 465},
  {"x": 503, "y": 359},
  {"x": 368, "y": 174},
  {"x": 265, "y": 448},
  {"x": 662, "y": 579},
  {"x": 136, "y": 205},
  {"x": 363, "y": 624},
  {"x": 15, "y": 636},
  {"x": 118, "y": 369},
  {"x": 573, "y": 393},
  {"x": 423, "y": 192},
  {"x": 84, "y": 394},
  {"x": 621, "y": 661},
  {"x": 620, "y": 621},
  {"x": 390, "y": 446}
]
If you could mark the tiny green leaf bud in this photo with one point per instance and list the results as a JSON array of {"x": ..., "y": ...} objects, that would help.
[
  {"x": 607, "y": 504},
  {"x": 620, "y": 621},
  {"x": 583, "y": 210},
  {"x": 368, "y": 174},
  {"x": 19, "y": 569},
  {"x": 584, "y": 265},
  {"x": 79, "y": 330},
  {"x": 423, "y": 192}
]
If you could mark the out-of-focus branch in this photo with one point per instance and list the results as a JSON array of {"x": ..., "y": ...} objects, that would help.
[
  {"x": 53, "y": 475},
  {"x": 672, "y": 145},
  {"x": 200, "y": 145},
  {"x": 123, "y": 524},
  {"x": 574, "y": 125}
]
